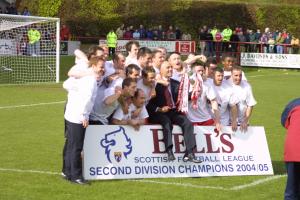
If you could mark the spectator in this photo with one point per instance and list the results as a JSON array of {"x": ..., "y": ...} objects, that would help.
[
  {"x": 186, "y": 36},
  {"x": 127, "y": 34},
  {"x": 177, "y": 33},
  {"x": 142, "y": 32},
  {"x": 287, "y": 42},
  {"x": 202, "y": 38},
  {"x": 214, "y": 32},
  {"x": 234, "y": 39},
  {"x": 279, "y": 42},
  {"x": 155, "y": 33},
  {"x": 136, "y": 35},
  {"x": 271, "y": 42},
  {"x": 26, "y": 12},
  {"x": 252, "y": 40},
  {"x": 1, "y": 11},
  {"x": 120, "y": 31},
  {"x": 160, "y": 32},
  {"x": 242, "y": 39},
  {"x": 164, "y": 36},
  {"x": 257, "y": 38},
  {"x": 218, "y": 39},
  {"x": 264, "y": 42},
  {"x": 295, "y": 45},
  {"x": 150, "y": 35},
  {"x": 64, "y": 33},
  {"x": 171, "y": 34},
  {"x": 209, "y": 44}
]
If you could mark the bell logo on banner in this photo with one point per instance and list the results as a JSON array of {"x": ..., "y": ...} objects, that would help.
[{"x": 116, "y": 144}]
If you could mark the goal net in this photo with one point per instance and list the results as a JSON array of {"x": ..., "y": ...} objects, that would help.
[{"x": 29, "y": 49}]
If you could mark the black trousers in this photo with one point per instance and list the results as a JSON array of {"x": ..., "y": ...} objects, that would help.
[
  {"x": 292, "y": 190},
  {"x": 74, "y": 146},
  {"x": 65, "y": 145},
  {"x": 166, "y": 120},
  {"x": 111, "y": 50}
]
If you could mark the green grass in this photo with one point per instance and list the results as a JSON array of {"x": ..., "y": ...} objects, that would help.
[{"x": 32, "y": 139}]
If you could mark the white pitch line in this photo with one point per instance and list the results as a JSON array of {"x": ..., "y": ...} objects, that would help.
[
  {"x": 29, "y": 171},
  {"x": 235, "y": 188},
  {"x": 180, "y": 184},
  {"x": 257, "y": 182},
  {"x": 31, "y": 105}
]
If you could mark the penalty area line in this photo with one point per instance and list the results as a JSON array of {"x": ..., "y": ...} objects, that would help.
[
  {"x": 234, "y": 188},
  {"x": 31, "y": 105}
]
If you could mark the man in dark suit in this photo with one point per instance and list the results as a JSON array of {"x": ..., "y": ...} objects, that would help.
[{"x": 162, "y": 110}]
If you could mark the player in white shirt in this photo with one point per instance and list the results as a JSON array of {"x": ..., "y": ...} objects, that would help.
[
  {"x": 228, "y": 63},
  {"x": 78, "y": 108},
  {"x": 109, "y": 99},
  {"x": 245, "y": 97},
  {"x": 80, "y": 69},
  {"x": 132, "y": 48},
  {"x": 82, "y": 60},
  {"x": 226, "y": 99},
  {"x": 211, "y": 65},
  {"x": 157, "y": 59},
  {"x": 133, "y": 71},
  {"x": 144, "y": 58},
  {"x": 199, "y": 113},
  {"x": 147, "y": 83},
  {"x": 115, "y": 70},
  {"x": 137, "y": 114}
]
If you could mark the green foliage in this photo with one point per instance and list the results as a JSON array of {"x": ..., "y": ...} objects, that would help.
[
  {"x": 260, "y": 17},
  {"x": 98, "y": 9},
  {"x": 97, "y": 17},
  {"x": 49, "y": 8},
  {"x": 45, "y": 8}
]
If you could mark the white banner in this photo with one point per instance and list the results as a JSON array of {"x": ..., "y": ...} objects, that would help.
[
  {"x": 120, "y": 152},
  {"x": 184, "y": 47},
  {"x": 7, "y": 47},
  {"x": 270, "y": 60}
]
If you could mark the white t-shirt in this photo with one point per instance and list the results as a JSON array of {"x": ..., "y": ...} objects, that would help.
[
  {"x": 119, "y": 114},
  {"x": 225, "y": 99},
  {"x": 130, "y": 60},
  {"x": 109, "y": 68},
  {"x": 177, "y": 75},
  {"x": 245, "y": 97},
  {"x": 157, "y": 71},
  {"x": 101, "y": 111},
  {"x": 202, "y": 113},
  {"x": 146, "y": 89},
  {"x": 71, "y": 83},
  {"x": 81, "y": 101}
]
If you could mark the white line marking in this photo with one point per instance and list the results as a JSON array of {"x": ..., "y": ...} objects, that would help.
[
  {"x": 257, "y": 182},
  {"x": 181, "y": 184},
  {"x": 31, "y": 105},
  {"x": 256, "y": 76},
  {"x": 29, "y": 171},
  {"x": 240, "y": 187}
]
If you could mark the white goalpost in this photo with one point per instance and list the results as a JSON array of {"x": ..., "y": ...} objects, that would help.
[{"x": 29, "y": 49}]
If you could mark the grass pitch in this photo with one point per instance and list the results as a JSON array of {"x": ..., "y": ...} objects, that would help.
[{"x": 32, "y": 141}]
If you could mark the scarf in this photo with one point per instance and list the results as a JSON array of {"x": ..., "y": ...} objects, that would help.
[
  {"x": 183, "y": 94},
  {"x": 197, "y": 90}
]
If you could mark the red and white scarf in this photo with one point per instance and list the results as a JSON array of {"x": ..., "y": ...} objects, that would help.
[
  {"x": 197, "y": 90},
  {"x": 183, "y": 94}
]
